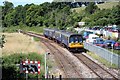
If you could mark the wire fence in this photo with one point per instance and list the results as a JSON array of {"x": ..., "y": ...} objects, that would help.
[{"x": 108, "y": 55}]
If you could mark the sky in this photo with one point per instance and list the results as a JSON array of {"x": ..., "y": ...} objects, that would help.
[{"x": 23, "y": 2}]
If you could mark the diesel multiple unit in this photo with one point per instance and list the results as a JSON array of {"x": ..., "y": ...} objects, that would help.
[{"x": 70, "y": 40}]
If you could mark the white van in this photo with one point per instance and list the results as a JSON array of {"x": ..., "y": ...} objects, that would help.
[{"x": 92, "y": 38}]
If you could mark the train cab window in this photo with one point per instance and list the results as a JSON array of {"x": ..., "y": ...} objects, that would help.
[
  {"x": 76, "y": 39},
  {"x": 80, "y": 39},
  {"x": 71, "y": 39}
]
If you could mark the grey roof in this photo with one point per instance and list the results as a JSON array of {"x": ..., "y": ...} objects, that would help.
[
  {"x": 63, "y": 32},
  {"x": 49, "y": 29}
]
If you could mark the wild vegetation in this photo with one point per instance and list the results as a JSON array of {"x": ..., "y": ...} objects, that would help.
[
  {"x": 10, "y": 67},
  {"x": 57, "y": 14}
]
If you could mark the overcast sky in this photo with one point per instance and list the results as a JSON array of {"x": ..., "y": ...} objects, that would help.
[{"x": 23, "y": 2}]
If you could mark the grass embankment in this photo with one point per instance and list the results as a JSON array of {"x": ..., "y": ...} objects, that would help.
[
  {"x": 107, "y": 5},
  {"x": 25, "y": 28},
  {"x": 102, "y": 60},
  {"x": 19, "y": 43}
]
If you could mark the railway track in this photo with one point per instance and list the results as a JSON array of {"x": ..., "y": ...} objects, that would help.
[
  {"x": 68, "y": 67},
  {"x": 97, "y": 69}
]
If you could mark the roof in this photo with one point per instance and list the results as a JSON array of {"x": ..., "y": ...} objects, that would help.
[
  {"x": 93, "y": 35},
  {"x": 63, "y": 32},
  {"x": 49, "y": 29}
]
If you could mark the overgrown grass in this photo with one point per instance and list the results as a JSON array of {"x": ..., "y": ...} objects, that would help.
[
  {"x": 102, "y": 60},
  {"x": 10, "y": 70},
  {"x": 107, "y": 5},
  {"x": 36, "y": 39},
  {"x": 25, "y": 28},
  {"x": 78, "y": 9}
]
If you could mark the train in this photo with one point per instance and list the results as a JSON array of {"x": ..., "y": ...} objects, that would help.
[{"x": 70, "y": 40}]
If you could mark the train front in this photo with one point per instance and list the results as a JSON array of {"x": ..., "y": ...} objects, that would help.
[{"x": 76, "y": 42}]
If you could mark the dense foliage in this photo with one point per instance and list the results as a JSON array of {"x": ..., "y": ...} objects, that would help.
[
  {"x": 10, "y": 67},
  {"x": 57, "y": 14}
]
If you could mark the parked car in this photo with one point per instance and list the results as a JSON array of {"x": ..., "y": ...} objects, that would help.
[
  {"x": 117, "y": 45},
  {"x": 92, "y": 38},
  {"x": 98, "y": 42},
  {"x": 108, "y": 44},
  {"x": 116, "y": 30},
  {"x": 96, "y": 28}
]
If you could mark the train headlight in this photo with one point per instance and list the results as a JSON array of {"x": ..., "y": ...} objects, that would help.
[{"x": 76, "y": 41}]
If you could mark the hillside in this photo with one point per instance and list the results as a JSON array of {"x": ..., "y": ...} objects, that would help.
[{"x": 107, "y": 5}]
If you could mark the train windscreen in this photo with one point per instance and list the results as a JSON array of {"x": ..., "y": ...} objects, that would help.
[{"x": 76, "y": 39}]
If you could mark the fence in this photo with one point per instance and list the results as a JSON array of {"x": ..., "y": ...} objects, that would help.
[{"x": 109, "y": 56}]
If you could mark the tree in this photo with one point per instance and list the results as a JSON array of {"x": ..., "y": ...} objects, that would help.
[
  {"x": 115, "y": 15},
  {"x": 6, "y": 9},
  {"x": 8, "y": 6},
  {"x": 91, "y": 8}
]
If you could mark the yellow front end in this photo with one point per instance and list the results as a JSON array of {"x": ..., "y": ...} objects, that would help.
[{"x": 76, "y": 45}]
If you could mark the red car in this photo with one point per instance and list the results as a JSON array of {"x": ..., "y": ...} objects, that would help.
[{"x": 117, "y": 45}]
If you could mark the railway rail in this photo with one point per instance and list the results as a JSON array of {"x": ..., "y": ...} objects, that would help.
[
  {"x": 97, "y": 69},
  {"x": 68, "y": 67}
]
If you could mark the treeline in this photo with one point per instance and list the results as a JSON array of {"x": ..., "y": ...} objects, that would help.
[
  {"x": 46, "y": 14},
  {"x": 57, "y": 14}
]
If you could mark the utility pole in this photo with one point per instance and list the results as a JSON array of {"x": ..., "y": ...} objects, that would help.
[{"x": 46, "y": 65}]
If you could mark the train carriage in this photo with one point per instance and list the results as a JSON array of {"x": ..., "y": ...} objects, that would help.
[
  {"x": 50, "y": 33},
  {"x": 58, "y": 36}
]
